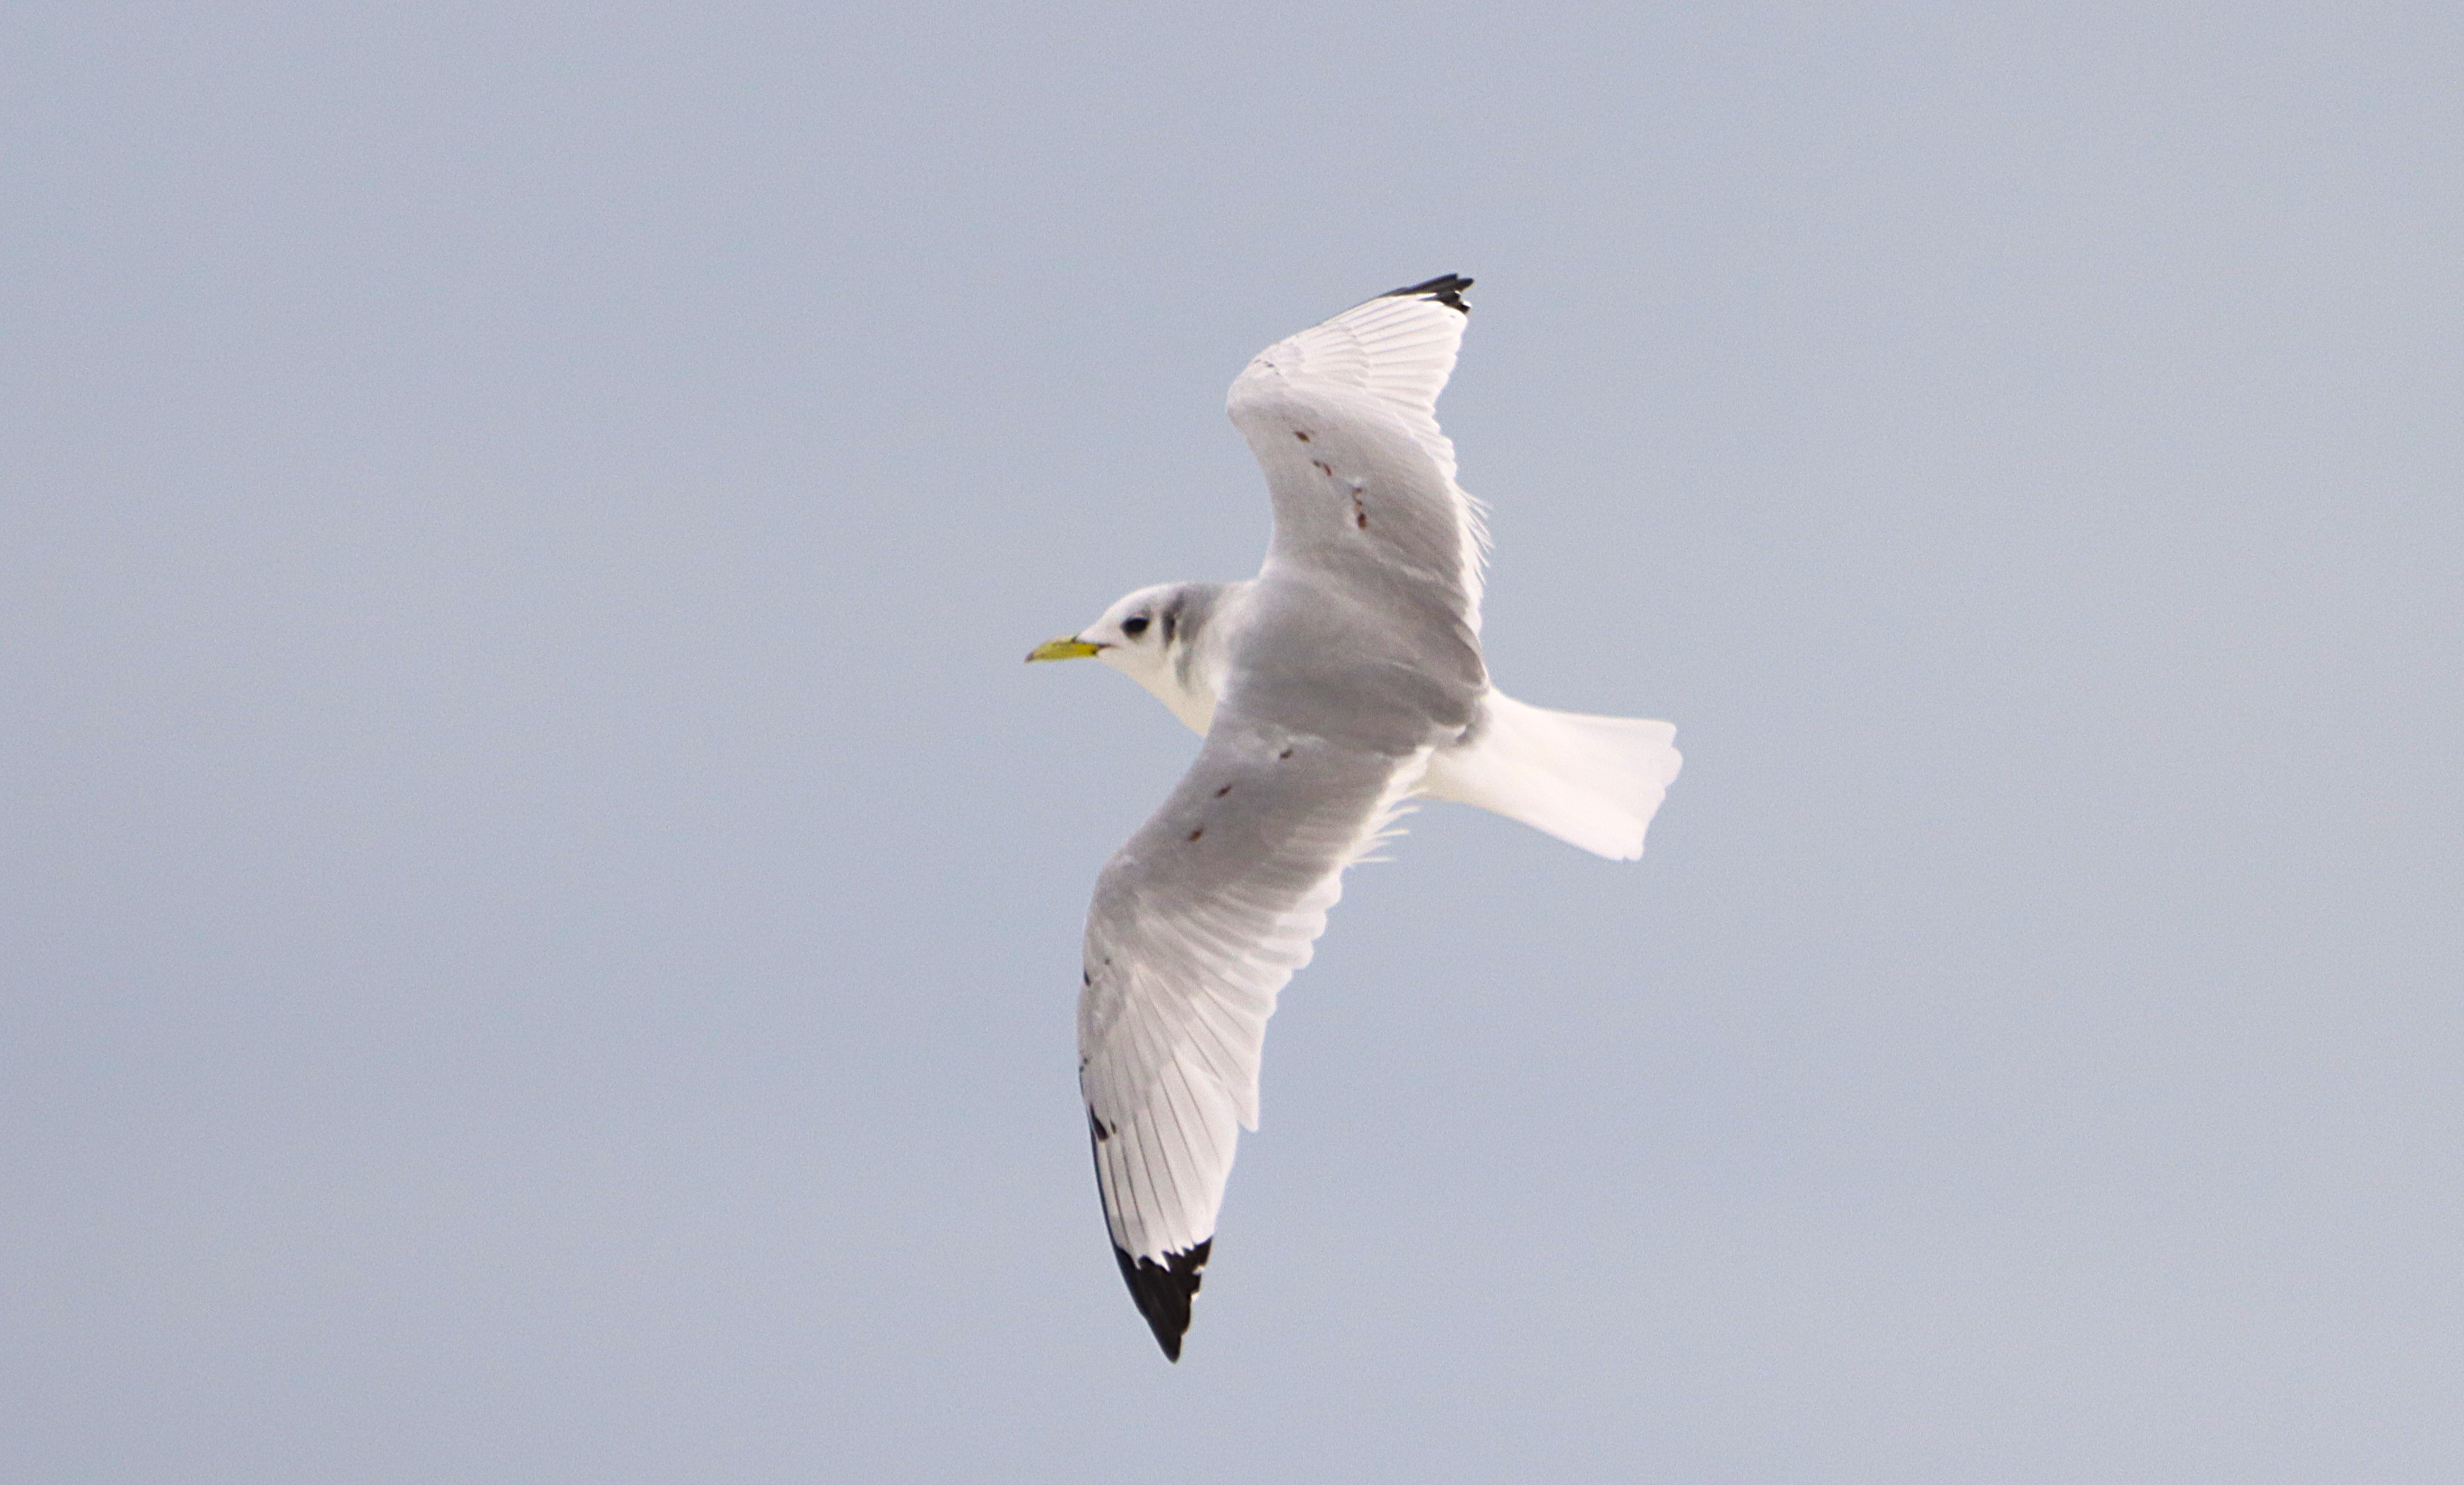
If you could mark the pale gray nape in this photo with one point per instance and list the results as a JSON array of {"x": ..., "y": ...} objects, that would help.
[{"x": 1184, "y": 620}]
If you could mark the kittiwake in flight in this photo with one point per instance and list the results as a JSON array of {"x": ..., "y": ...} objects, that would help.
[{"x": 1341, "y": 681}]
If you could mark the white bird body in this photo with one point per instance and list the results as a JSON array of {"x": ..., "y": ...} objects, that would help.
[
  {"x": 1591, "y": 781},
  {"x": 1342, "y": 681}
]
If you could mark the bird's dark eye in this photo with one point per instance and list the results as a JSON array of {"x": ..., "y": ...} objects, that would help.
[{"x": 1135, "y": 625}]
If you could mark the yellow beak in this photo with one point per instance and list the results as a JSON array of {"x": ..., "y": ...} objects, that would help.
[{"x": 1067, "y": 647}]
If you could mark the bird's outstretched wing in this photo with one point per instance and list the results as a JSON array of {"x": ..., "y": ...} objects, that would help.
[
  {"x": 1197, "y": 924},
  {"x": 1362, "y": 652},
  {"x": 1343, "y": 418}
]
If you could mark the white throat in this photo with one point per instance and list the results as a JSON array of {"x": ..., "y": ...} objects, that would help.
[
  {"x": 1192, "y": 701},
  {"x": 1188, "y": 678}
]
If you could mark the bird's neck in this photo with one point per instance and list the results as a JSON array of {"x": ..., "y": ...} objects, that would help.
[
  {"x": 1191, "y": 678},
  {"x": 1187, "y": 684}
]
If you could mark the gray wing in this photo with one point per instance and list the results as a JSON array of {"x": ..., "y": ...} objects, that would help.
[
  {"x": 1197, "y": 924},
  {"x": 1343, "y": 419}
]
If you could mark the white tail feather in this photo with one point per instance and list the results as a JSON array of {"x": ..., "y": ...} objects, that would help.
[{"x": 1590, "y": 781}]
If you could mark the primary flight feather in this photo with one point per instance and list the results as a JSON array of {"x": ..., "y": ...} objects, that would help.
[{"x": 1342, "y": 681}]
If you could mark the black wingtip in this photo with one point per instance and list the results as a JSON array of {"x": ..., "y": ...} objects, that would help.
[
  {"x": 1163, "y": 1291},
  {"x": 1446, "y": 291}
]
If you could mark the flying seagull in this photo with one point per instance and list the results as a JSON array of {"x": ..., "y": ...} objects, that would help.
[{"x": 1342, "y": 681}]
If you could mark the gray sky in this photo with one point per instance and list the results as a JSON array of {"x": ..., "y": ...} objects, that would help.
[{"x": 542, "y": 906}]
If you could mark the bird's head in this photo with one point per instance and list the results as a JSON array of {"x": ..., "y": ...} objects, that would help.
[{"x": 1135, "y": 635}]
